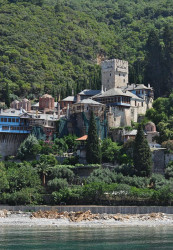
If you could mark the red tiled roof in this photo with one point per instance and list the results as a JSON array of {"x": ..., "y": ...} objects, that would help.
[{"x": 83, "y": 138}]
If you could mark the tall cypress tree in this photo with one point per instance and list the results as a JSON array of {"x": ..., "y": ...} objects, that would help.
[
  {"x": 168, "y": 59},
  {"x": 153, "y": 63},
  {"x": 7, "y": 95},
  {"x": 142, "y": 154},
  {"x": 93, "y": 151}
]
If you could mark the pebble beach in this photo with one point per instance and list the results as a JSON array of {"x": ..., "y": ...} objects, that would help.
[{"x": 82, "y": 219}]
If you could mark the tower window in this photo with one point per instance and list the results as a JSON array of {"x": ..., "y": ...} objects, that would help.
[
  {"x": 119, "y": 74},
  {"x": 110, "y": 74}
]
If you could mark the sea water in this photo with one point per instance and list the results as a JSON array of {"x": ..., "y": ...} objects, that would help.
[{"x": 136, "y": 238}]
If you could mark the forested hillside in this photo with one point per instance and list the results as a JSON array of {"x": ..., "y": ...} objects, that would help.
[{"x": 54, "y": 46}]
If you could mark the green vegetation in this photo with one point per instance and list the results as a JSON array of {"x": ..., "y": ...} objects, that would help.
[
  {"x": 29, "y": 148},
  {"x": 141, "y": 154},
  {"x": 21, "y": 184},
  {"x": 48, "y": 45},
  {"x": 110, "y": 150},
  {"x": 162, "y": 115},
  {"x": 93, "y": 151}
]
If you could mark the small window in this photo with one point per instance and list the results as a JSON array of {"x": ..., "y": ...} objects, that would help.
[
  {"x": 5, "y": 119},
  {"x": 13, "y": 120},
  {"x": 2, "y": 119},
  {"x": 110, "y": 74},
  {"x": 119, "y": 74},
  {"x": 17, "y": 120},
  {"x": 5, "y": 127},
  {"x": 9, "y": 119}
]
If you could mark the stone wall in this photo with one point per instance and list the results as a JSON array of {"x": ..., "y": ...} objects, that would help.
[
  {"x": 95, "y": 209},
  {"x": 9, "y": 143},
  {"x": 119, "y": 117},
  {"x": 158, "y": 157}
]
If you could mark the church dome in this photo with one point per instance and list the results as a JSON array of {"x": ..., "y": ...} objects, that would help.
[
  {"x": 150, "y": 127},
  {"x": 46, "y": 96}
]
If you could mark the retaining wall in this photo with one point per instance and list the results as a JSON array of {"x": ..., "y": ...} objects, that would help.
[{"x": 95, "y": 209}]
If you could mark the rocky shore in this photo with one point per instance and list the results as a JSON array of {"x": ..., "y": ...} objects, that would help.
[{"x": 54, "y": 218}]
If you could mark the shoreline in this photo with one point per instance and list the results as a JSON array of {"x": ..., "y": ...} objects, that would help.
[{"x": 19, "y": 219}]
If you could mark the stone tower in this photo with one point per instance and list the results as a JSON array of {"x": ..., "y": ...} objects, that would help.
[{"x": 114, "y": 74}]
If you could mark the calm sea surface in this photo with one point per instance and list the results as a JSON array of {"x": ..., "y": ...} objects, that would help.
[{"x": 86, "y": 238}]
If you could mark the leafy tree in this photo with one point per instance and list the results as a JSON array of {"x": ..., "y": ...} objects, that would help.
[
  {"x": 58, "y": 7},
  {"x": 110, "y": 150},
  {"x": 168, "y": 145},
  {"x": 71, "y": 142},
  {"x": 93, "y": 152},
  {"x": 94, "y": 191},
  {"x": 61, "y": 145},
  {"x": 29, "y": 148},
  {"x": 142, "y": 154}
]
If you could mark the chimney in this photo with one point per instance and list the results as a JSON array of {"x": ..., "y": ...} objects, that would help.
[
  {"x": 78, "y": 98},
  {"x": 58, "y": 110},
  {"x": 102, "y": 91},
  {"x": 21, "y": 110},
  {"x": 68, "y": 111},
  {"x": 148, "y": 85}
]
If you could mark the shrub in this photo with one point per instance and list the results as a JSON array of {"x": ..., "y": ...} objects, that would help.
[
  {"x": 157, "y": 181},
  {"x": 169, "y": 170},
  {"x": 62, "y": 172},
  {"x": 23, "y": 197},
  {"x": 57, "y": 184},
  {"x": 102, "y": 175}
]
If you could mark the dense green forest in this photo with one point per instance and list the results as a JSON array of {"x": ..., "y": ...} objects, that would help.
[{"x": 48, "y": 44}]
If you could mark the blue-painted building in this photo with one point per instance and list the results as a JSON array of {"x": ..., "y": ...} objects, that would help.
[
  {"x": 140, "y": 90},
  {"x": 14, "y": 121}
]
